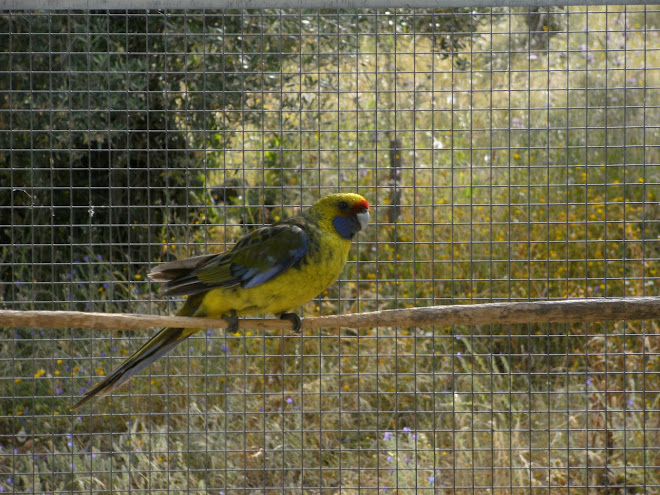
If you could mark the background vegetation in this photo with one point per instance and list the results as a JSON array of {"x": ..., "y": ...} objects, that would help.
[{"x": 508, "y": 155}]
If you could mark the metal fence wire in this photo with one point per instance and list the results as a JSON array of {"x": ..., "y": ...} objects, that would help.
[{"x": 509, "y": 154}]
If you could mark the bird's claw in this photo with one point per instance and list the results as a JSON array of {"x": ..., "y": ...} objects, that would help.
[
  {"x": 232, "y": 320},
  {"x": 294, "y": 319}
]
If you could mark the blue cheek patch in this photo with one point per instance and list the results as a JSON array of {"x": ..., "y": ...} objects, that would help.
[{"x": 346, "y": 227}]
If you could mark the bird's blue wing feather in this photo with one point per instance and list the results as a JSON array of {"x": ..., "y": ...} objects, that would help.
[
  {"x": 255, "y": 259},
  {"x": 268, "y": 253}
]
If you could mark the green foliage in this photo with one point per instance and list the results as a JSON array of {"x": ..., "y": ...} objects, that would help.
[
  {"x": 98, "y": 162},
  {"x": 111, "y": 114}
]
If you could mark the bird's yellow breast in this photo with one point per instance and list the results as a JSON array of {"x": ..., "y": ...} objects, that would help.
[{"x": 292, "y": 288}]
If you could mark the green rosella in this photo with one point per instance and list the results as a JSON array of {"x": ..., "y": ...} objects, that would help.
[{"x": 272, "y": 269}]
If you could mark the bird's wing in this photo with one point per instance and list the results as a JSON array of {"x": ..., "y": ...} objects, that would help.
[{"x": 255, "y": 259}]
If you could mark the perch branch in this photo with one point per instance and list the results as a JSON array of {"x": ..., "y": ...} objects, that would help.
[{"x": 565, "y": 311}]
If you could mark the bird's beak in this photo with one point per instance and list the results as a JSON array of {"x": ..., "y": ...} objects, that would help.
[{"x": 363, "y": 218}]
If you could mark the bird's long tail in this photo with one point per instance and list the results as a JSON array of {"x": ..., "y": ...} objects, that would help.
[{"x": 161, "y": 343}]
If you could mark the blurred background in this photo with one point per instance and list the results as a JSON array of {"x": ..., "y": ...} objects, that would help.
[{"x": 509, "y": 154}]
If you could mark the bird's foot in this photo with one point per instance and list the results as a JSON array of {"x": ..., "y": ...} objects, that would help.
[
  {"x": 294, "y": 319},
  {"x": 232, "y": 320}
]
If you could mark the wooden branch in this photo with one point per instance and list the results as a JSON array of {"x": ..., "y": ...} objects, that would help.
[
  {"x": 565, "y": 311},
  {"x": 122, "y": 321}
]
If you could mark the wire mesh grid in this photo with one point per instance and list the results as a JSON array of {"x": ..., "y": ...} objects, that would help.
[{"x": 508, "y": 154}]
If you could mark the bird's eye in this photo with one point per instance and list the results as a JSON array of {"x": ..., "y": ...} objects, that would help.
[{"x": 343, "y": 205}]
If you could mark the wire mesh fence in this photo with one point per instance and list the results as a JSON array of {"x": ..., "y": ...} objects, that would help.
[{"x": 508, "y": 154}]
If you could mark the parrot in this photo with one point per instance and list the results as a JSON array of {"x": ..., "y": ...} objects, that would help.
[{"x": 272, "y": 270}]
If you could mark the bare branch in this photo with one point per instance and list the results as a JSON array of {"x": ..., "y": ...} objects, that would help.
[{"x": 571, "y": 310}]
